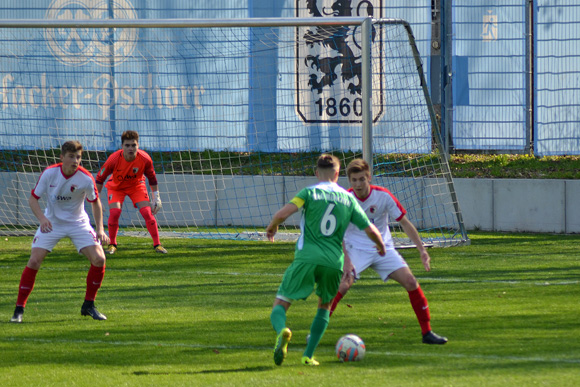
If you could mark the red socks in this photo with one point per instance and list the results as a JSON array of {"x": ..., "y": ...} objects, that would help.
[
  {"x": 151, "y": 224},
  {"x": 418, "y": 302},
  {"x": 335, "y": 302},
  {"x": 26, "y": 285},
  {"x": 113, "y": 224},
  {"x": 94, "y": 280},
  {"x": 421, "y": 308}
]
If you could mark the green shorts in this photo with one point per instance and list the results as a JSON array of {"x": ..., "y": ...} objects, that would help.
[{"x": 299, "y": 280}]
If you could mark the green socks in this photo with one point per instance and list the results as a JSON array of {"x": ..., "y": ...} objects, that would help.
[
  {"x": 278, "y": 318},
  {"x": 317, "y": 330}
]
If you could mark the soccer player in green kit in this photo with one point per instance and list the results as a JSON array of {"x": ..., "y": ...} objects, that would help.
[{"x": 327, "y": 210}]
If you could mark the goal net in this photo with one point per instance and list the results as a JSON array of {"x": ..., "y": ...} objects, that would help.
[{"x": 234, "y": 115}]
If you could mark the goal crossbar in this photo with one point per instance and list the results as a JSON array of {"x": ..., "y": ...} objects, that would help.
[{"x": 435, "y": 185}]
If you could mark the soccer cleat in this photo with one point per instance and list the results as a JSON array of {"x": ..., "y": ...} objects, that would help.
[
  {"x": 309, "y": 361},
  {"x": 18, "y": 312},
  {"x": 433, "y": 338},
  {"x": 111, "y": 249},
  {"x": 281, "y": 347},
  {"x": 89, "y": 309},
  {"x": 160, "y": 249}
]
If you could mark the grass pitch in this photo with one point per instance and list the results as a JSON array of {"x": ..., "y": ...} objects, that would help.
[{"x": 509, "y": 304}]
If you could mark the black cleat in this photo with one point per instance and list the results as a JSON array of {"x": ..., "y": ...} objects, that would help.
[
  {"x": 18, "y": 312},
  {"x": 89, "y": 309},
  {"x": 433, "y": 338}
]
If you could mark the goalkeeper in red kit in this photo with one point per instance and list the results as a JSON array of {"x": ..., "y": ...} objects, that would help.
[{"x": 129, "y": 167}]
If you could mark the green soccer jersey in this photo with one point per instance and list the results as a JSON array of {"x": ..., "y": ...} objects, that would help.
[{"x": 327, "y": 210}]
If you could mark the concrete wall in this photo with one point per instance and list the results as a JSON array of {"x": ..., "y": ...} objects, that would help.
[
  {"x": 487, "y": 204},
  {"x": 520, "y": 204}
]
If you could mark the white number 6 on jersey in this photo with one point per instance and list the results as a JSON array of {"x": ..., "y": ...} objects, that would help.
[{"x": 328, "y": 222}]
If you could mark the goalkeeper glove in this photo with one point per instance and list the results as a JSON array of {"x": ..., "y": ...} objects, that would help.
[{"x": 155, "y": 202}]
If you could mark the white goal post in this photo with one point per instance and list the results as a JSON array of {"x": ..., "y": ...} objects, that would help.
[{"x": 233, "y": 112}]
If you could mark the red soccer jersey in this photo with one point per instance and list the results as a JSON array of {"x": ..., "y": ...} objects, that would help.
[{"x": 127, "y": 174}]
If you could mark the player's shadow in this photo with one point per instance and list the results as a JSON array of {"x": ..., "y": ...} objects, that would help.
[{"x": 245, "y": 369}]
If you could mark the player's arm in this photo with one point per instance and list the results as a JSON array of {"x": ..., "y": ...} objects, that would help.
[
  {"x": 374, "y": 235},
  {"x": 414, "y": 236},
  {"x": 98, "y": 216},
  {"x": 279, "y": 217},
  {"x": 348, "y": 266},
  {"x": 149, "y": 172},
  {"x": 348, "y": 269},
  {"x": 45, "y": 225}
]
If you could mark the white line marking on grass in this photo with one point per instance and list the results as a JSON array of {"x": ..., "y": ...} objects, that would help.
[
  {"x": 236, "y": 274},
  {"x": 438, "y": 354},
  {"x": 510, "y": 282}
]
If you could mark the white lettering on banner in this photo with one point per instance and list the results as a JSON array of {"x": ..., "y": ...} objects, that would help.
[{"x": 104, "y": 94}]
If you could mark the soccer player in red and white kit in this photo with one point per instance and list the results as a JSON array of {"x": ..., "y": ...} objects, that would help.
[
  {"x": 379, "y": 204},
  {"x": 129, "y": 167},
  {"x": 66, "y": 186}
]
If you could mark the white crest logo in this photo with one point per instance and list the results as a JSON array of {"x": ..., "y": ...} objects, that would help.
[
  {"x": 78, "y": 46},
  {"x": 329, "y": 62}
]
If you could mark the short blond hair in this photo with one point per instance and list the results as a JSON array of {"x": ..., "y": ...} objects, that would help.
[{"x": 356, "y": 166}]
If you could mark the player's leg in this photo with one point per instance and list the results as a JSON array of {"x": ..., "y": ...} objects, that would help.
[
  {"x": 297, "y": 284},
  {"x": 42, "y": 244},
  {"x": 346, "y": 282},
  {"x": 419, "y": 302},
  {"x": 84, "y": 238},
  {"x": 27, "y": 280},
  {"x": 278, "y": 314},
  {"x": 405, "y": 277},
  {"x": 283, "y": 334},
  {"x": 115, "y": 199},
  {"x": 328, "y": 280},
  {"x": 140, "y": 199},
  {"x": 151, "y": 223},
  {"x": 358, "y": 262}
]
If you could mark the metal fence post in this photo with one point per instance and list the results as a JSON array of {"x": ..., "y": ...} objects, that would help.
[{"x": 529, "y": 148}]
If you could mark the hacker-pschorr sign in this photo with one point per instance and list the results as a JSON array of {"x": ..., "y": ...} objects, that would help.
[{"x": 328, "y": 62}]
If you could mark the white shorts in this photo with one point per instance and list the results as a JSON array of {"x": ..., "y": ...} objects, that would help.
[
  {"x": 81, "y": 235},
  {"x": 384, "y": 266}
]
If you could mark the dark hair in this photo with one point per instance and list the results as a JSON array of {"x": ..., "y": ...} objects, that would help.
[
  {"x": 356, "y": 166},
  {"x": 328, "y": 161},
  {"x": 72, "y": 146},
  {"x": 129, "y": 135}
]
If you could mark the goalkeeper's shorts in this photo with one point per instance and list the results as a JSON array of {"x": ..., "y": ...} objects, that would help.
[{"x": 136, "y": 194}]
